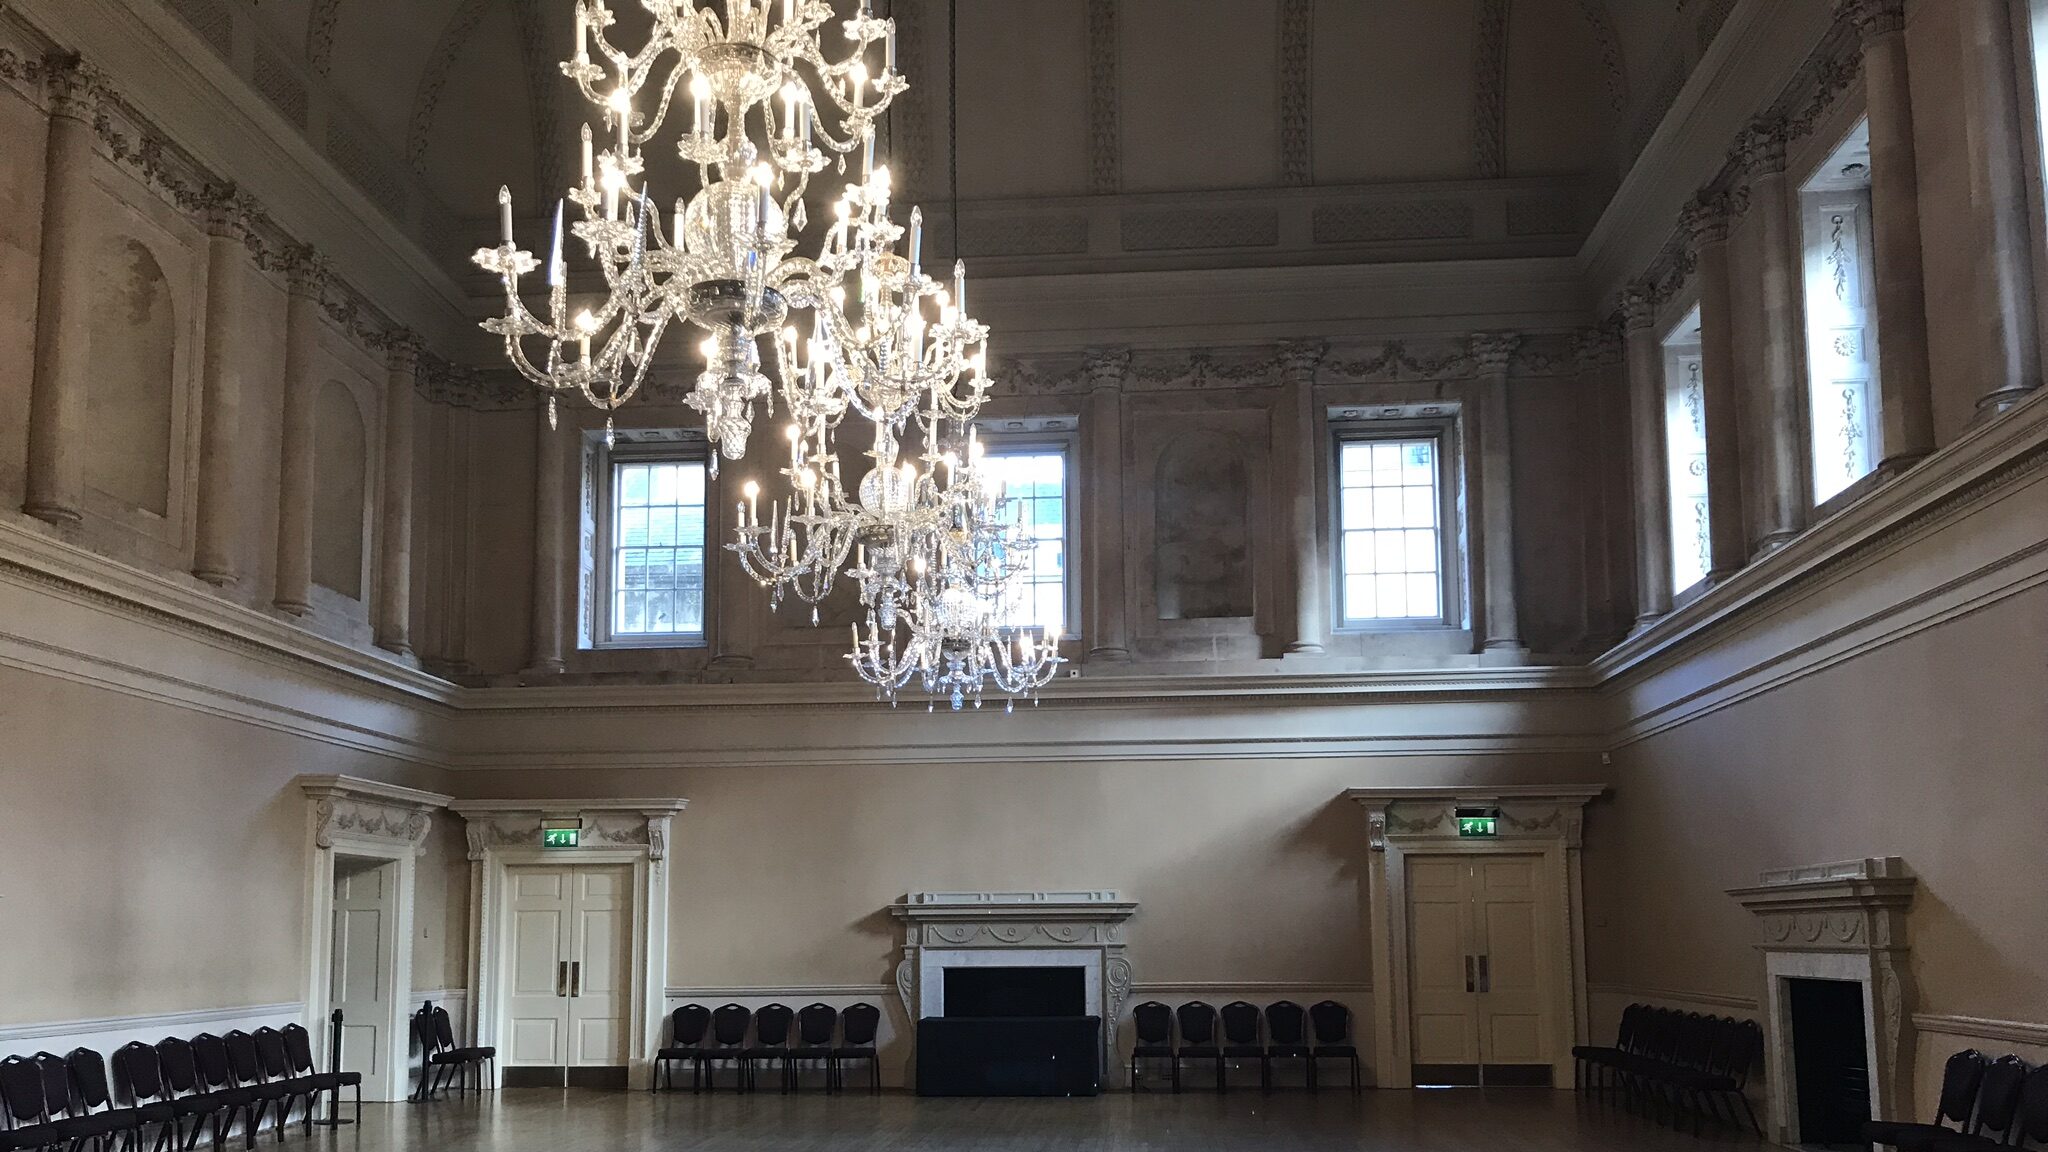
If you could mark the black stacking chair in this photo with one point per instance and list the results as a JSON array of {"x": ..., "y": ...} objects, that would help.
[
  {"x": 56, "y": 1093},
  {"x": 1241, "y": 1042},
  {"x": 1998, "y": 1106},
  {"x": 247, "y": 1067},
  {"x": 1331, "y": 1023},
  {"x": 217, "y": 1085},
  {"x": 439, "y": 1053},
  {"x": 137, "y": 1067},
  {"x": 857, "y": 1042},
  {"x": 815, "y": 1026},
  {"x": 298, "y": 1050},
  {"x": 2033, "y": 1118},
  {"x": 1961, "y": 1077},
  {"x": 728, "y": 1044},
  {"x": 1153, "y": 1022},
  {"x": 686, "y": 1028},
  {"x": 189, "y": 1093},
  {"x": 1593, "y": 1065},
  {"x": 1287, "y": 1038},
  {"x": 1197, "y": 1022},
  {"x": 94, "y": 1117},
  {"x": 771, "y": 1043},
  {"x": 276, "y": 1064},
  {"x": 21, "y": 1102}
]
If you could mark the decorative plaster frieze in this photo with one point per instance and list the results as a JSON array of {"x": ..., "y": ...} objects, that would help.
[
  {"x": 1489, "y": 88},
  {"x": 369, "y": 810},
  {"x": 1297, "y": 95},
  {"x": 1105, "y": 140},
  {"x": 1613, "y": 67},
  {"x": 606, "y": 823}
]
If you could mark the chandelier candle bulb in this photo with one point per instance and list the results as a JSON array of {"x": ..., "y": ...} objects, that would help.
[
  {"x": 700, "y": 103},
  {"x": 753, "y": 493},
  {"x": 589, "y": 162},
  {"x": 889, "y": 51},
  {"x": 557, "y": 271},
  {"x": 960, "y": 286},
  {"x": 916, "y": 239},
  {"x": 505, "y": 213}
]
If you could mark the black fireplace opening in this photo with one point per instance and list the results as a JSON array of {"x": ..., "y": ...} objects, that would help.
[
  {"x": 1016, "y": 992},
  {"x": 1831, "y": 1062}
]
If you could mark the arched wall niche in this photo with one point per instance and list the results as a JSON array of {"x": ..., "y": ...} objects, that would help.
[
  {"x": 1202, "y": 533},
  {"x": 340, "y": 490},
  {"x": 132, "y": 351}
]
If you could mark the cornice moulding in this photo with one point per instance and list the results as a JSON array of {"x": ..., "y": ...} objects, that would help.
[
  {"x": 1474, "y": 794},
  {"x": 649, "y": 806},
  {"x": 2007, "y": 450},
  {"x": 332, "y": 786}
]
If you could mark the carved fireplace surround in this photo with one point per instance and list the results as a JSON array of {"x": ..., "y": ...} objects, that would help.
[
  {"x": 1840, "y": 921},
  {"x": 1051, "y": 929}
]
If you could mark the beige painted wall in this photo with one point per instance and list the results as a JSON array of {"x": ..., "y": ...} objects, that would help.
[{"x": 155, "y": 858}]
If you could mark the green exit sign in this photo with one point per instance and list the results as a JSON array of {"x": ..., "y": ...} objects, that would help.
[
  {"x": 1478, "y": 822},
  {"x": 559, "y": 837}
]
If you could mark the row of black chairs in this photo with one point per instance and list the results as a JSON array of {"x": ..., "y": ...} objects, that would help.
[
  {"x": 1992, "y": 1103},
  {"x": 824, "y": 1036},
  {"x": 1667, "y": 1060},
  {"x": 443, "y": 1062},
  {"x": 1281, "y": 1031},
  {"x": 52, "y": 1101}
]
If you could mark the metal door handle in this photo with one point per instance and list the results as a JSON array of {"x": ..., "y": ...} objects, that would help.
[
  {"x": 561, "y": 978},
  {"x": 575, "y": 977},
  {"x": 1468, "y": 973},
  {"x": 1485, "y": 974}
]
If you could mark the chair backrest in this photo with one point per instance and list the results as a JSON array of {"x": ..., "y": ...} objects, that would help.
[
  {"x": 21, "y": 1090},
  {"x": 210, "y": 1053},
  {"x": 271, "y": 1055},
  {"x": 1240, "y": 1023},
  {"x": 1286, "y": 1023},
  {"x": 1332, "y": 1022},
  {"x": 729, "y": 1025},
  {"x": 298, "y": 1049},
  {"x": 860, "y": 1021},
  {"x": 444, "y": 1029},
  {"x": 423, "y": 1029},
  {"x": 174, "y": 1057},
  {"x": 771, "y": 1025},
  {"x": 687, "y": 1025},
  {"x": 2034, "y": 1106},
  {"x": 1631, "y": 1019},
  {"x": 1154, "y": 1022},
  {"x": 1197, "y": 1022},
  {"x": 89, "y": 1079},
  {"x": 135, "y": 1066},
  {"x": 242, "y": 1058},
  {"x": 56, "y": 1084},
  {"x": 815, "y": 1024},
  {"x": 1960, "y": 1079},
  {"x": 1999, "y": 1099}
]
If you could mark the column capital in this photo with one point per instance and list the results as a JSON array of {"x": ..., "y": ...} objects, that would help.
[
  {"x": 1491, "y": 351},
  {"x": 230, "y": 213},
  {"x": 1705, "y": 218},
  {"x": 1597, "y": 347},
  {"x": 306, "y": 271},
  {"x": 1638, "y": 305},
  {"x": 1299, "y": 359},
  {"x": 402, "y": 349},
  {"x": 1873, "y": 18},
  {"x": 1761, "y": 147},
  {"x": 75, "y": 88},
  {"x": 1106, "y": 367}
]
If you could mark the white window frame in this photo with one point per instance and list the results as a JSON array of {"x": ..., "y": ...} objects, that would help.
[
  {"x": 1686, "y": 454},
  {"x": 601, "y": 481},
  {"x": 1839, "y": 300},
  {"x": 1020, "y": 436},
  {"x": 1450, "y": 526}
]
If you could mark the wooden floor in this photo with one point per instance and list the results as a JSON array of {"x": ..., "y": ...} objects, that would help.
[{"x": 588, "y": 1120}]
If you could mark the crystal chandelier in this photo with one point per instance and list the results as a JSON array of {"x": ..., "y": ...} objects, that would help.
[{"x": 722, "y": 263}]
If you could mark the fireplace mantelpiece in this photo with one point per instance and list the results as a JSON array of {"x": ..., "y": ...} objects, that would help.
[
  {"x": 1083, "y": 929},
  {"x": 1839, "y": 921}
]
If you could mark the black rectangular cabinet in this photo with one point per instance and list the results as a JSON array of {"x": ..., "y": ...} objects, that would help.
[{"x": 1009, "y": 1056}]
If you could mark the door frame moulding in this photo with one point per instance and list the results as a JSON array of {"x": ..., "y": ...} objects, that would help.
[
  {"x": 505, "y": 834},
  {"x": 1540, "y": 820},
  {"x": 350, "y": 816}
]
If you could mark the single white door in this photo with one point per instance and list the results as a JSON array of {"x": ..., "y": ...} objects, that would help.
[
  {"x": 360, "y": 972},
  {"x": 1479, "y": 937},
  {"x": 567, "y": 988}
]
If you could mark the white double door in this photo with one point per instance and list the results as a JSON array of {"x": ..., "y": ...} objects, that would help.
[
  {"x": 571, "y": 930},
  {"x": 1482, "y": 931}
]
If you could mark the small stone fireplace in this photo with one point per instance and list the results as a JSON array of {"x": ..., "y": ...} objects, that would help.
[
  {"x": 1825, "y": 926},
  {"x": 1037, "y": 933}
]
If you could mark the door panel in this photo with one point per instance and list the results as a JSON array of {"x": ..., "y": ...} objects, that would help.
[
  {"x": 358, "y": 971},
  {"x": 568, "y": 984},
  {"x": 1478, "y": 969}
]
